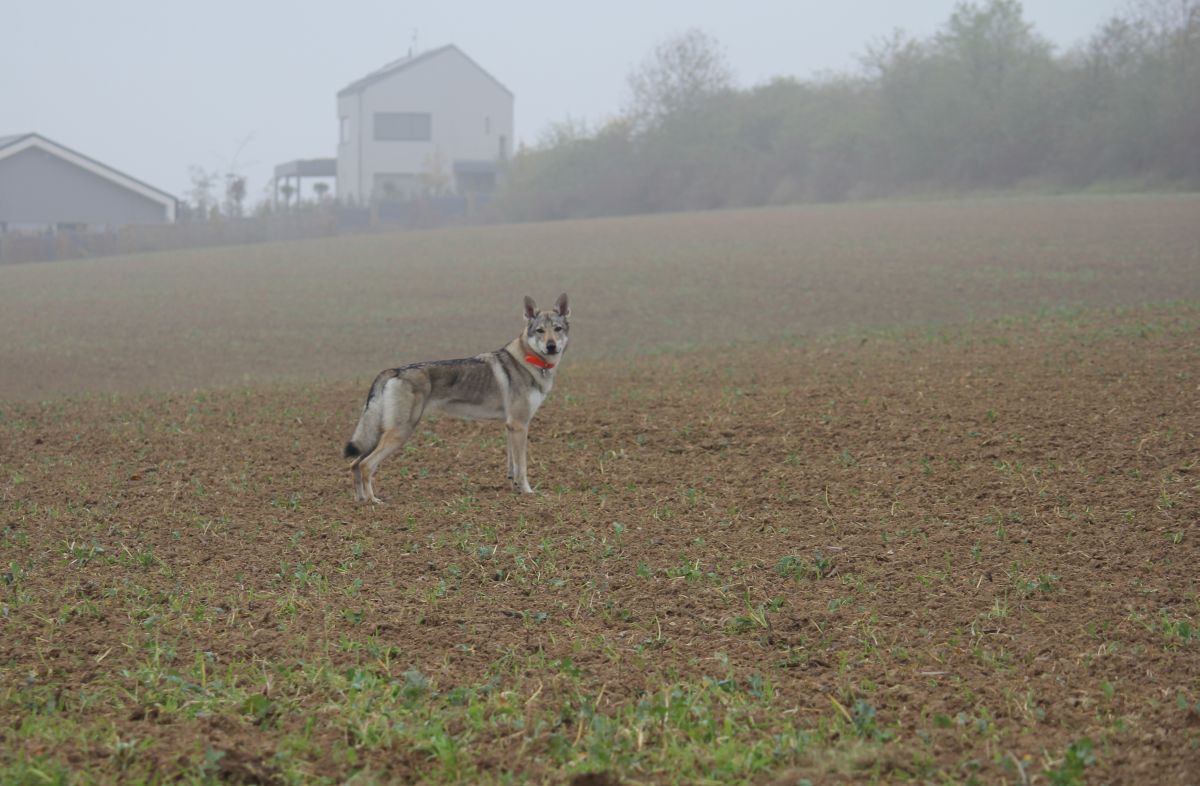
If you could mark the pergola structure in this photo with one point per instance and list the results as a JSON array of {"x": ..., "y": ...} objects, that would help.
[{"x": 296, "y": 171}]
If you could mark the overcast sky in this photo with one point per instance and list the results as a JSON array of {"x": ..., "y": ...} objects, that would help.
[{"x": 153, "y": 86}]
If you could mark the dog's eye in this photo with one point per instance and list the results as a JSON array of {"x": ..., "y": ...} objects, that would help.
[{"x": 541, "y": 330}]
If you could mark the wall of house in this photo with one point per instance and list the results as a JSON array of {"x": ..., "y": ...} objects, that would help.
[
  {"x": 348, "y": 148},
  {"x": 470, "y": 112},
  {"x": 37, "y": 187}
]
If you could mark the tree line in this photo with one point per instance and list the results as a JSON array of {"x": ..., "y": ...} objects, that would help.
[{"x": 985, "y": 103}]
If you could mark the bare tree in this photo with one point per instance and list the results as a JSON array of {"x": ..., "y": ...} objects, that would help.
[
  {"x": 235, "y": 195},
  {"x": 201, "y": 193},
  {"x": 235, "y": 182},
  {"x": 677, "y": 76}
]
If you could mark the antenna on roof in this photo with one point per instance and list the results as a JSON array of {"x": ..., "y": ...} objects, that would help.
[{"x": 412, "y": 47}]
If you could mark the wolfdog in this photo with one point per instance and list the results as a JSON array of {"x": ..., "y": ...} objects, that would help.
[{"x": 508, "y": 384}]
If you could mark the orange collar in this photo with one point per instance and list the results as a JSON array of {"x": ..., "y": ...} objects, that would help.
[{"x": 537, "y": 361}]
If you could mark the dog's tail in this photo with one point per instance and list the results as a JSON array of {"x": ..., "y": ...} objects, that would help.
[{"x": 370, "y": 422}]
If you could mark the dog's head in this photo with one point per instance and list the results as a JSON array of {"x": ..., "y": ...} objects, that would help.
[{"x": 546, "y": 332}]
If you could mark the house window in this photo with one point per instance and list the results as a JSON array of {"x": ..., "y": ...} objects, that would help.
[
  {"x": 403, "y": 126},
  {"x": 503, "y": 147},
  {"x": 344, "y": 135}
]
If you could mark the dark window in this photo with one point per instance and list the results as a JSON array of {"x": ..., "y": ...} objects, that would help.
[{"x": 403, "y": 126}]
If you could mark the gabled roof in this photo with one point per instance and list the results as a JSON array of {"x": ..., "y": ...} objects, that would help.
[
  {"x": 405, "y": 63},
  {"x": 11, "y": 145}
]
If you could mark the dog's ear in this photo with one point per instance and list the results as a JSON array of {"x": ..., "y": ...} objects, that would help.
[
  {"x": 562, "y": 306},
  {"x": 530, "y": 308}
]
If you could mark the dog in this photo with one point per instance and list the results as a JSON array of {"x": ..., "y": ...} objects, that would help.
[{"x": 508, "y": 384}]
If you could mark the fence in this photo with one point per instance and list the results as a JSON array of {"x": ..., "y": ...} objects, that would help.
[{"x": 316, "y": 221}]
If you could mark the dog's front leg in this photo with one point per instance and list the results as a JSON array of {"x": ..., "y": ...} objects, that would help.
[
  {"x": 512, "y": 462},
  {"x": 518, "y": 441}
]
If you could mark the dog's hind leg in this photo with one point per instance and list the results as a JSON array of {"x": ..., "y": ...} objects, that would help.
[
  {"x": 408, "y": 403},
  {"x": 360, "y": 494},
  {"x": 391, "y": 441}
]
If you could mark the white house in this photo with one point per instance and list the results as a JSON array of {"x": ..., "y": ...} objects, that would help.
[
  {"x": 45, "y": 184},
  {"x": 433, "y": 123}
]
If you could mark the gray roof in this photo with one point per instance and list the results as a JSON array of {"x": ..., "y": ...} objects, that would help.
[
  {"x": 307, "y": 167},
  {"x": 5, "y": 141},
  {"x": 407, "y": 62}
]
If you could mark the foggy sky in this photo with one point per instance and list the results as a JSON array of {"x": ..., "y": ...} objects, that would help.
[{"x": 151, "y": 87}]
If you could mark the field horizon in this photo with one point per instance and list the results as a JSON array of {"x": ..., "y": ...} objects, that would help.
[{"x": 346, "y": 307}]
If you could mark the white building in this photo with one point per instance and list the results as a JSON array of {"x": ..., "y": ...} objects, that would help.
[
  {"x": 434, "y": 123},
  {"x": 45, "y": 184}
]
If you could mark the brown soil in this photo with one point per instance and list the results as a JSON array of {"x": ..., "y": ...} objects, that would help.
[{"x": 1007, "y": 518}]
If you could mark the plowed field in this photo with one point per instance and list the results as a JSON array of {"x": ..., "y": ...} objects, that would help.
[{"x": 952, "y": 555}]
